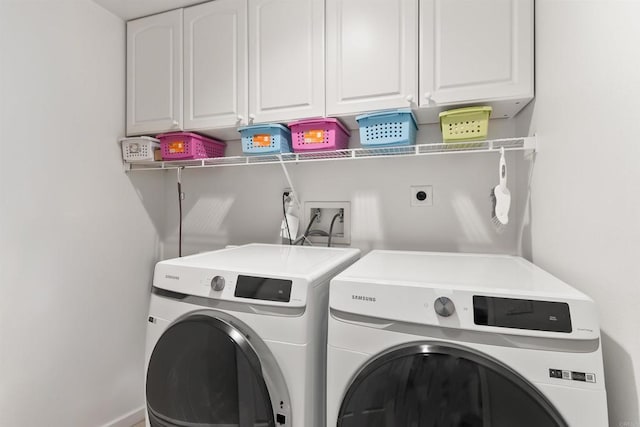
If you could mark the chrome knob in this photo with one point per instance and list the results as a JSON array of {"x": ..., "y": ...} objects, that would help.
[
  {"x": 175, "y": 123},
  {"x": 409, "y": 98},
  {"x": 444, "y": 307},
  {"x": 217, "y": 283}
]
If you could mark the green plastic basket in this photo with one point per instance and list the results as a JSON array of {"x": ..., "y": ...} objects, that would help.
[{"x": 465, "y": 124}]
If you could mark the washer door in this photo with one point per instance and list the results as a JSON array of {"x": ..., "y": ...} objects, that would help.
[
  {"x": 203, "y": 372},
  {"x": 443, "y": 386}
]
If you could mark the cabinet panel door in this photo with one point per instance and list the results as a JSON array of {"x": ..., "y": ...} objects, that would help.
[
  {"x": 474, "y": 50},
  {"x": 215, "y": 80},
  {"x": 154, "y": 74},
  {"x": 371, "y": 54},
  {"x": 286, "y": 59}
]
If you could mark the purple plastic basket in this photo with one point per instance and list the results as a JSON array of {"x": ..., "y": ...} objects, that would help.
[
  {"x": 187, "y": 145},
  {"x": 318, "y": 135}
]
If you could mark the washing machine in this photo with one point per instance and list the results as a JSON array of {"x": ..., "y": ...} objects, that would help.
[
  {"x": 237, "y": 337},
  {"x": 442, "y": 340}
]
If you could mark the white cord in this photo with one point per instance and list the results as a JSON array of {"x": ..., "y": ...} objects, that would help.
[
  {"x": 292, "y": 193},
  {"x": 525, "y": 212}
]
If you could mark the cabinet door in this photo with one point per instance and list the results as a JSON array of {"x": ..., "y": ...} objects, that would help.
[
  {"x": 286, "y": 59},
  {"x": 372, "y": 49},
  {"x": 475, "y": 50},
  {"x": 154, "y": 74},
  {"x": 215, "y": 80}
]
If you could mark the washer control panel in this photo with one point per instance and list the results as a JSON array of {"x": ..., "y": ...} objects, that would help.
[
  {"x": 522, "y": 313},
  {"x": 469, "y": 309}
]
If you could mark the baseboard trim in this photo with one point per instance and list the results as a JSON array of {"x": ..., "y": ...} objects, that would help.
[{"x": 128, "y": 420}]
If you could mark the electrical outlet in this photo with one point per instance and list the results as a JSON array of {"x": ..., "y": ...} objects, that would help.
[
  {"x": 322, "y": 223},
  {"x": 292, "y": 199},
  {"x": 421, "y": 195}
]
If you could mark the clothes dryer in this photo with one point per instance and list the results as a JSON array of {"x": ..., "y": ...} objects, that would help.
[
  {"x": 438, "y": 339},
  {"x": 237, "y": 337}
]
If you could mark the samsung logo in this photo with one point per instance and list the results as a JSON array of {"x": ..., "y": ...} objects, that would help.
[
  {"x": 169, "y": 276},
  {"x": 363, "y": 298}
]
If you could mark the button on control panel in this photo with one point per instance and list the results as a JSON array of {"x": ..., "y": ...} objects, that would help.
[{"x": 572, "y": 375}]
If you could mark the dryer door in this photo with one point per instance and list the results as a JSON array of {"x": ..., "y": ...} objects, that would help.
[
  {"x": 442, "y": 385},
  {"x": 204, "y": 372}
]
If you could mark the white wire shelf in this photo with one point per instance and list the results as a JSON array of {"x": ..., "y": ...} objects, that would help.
[{"x": 509, "y": 144}]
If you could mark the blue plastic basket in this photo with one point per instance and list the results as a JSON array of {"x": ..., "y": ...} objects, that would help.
[
  {"x": 391, "y": 128},
  {"x": 265, "y": 139}
]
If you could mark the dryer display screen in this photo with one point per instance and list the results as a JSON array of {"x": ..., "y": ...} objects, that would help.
[
  {"x": 521, "y": 314},
  {"x": 263, "y": 288}
]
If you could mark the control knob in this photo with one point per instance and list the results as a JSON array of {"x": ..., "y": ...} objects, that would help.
[
  {"x": 444, "y": 307},
  {"x": 217, "y": 283}
]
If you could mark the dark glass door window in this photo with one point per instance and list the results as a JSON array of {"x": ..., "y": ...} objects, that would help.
[
  {"x": 442, "y": 389},
  {"x": 202, "y": 373}
]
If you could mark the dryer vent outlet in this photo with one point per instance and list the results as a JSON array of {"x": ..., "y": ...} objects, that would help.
[{"x": 421, "y": 195}]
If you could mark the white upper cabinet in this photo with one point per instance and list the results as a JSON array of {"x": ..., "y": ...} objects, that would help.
[
  {"x": 256, "y": 61},
  {"x": 472, "y": 51},
  {"x": 215, "y": 64},
  {"x": 286, "y": 59},
  {"x": 154, "y": 74},
  {"x": 372, "y": 51}
]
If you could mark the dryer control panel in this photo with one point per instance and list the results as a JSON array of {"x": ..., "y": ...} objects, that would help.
[
  {"x": 233, "y": 286},
  {"x": 255, "y": 274},
  {"x": 263, "y": 288}
]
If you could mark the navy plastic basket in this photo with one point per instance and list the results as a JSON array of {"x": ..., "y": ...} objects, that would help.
[
  {"x": 265, "y": 139},
  {"x": 389, "y": 128}
]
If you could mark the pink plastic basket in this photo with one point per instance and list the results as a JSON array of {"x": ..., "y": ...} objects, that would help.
[
  {"x": 318, "y": 135},
  {"x": 187, "y": 145}
]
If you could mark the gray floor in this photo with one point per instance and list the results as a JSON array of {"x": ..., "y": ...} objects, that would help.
[{"x": 140, "y": 424}]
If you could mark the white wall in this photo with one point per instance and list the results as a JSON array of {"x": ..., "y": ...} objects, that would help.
[
  {"x": 77, "y": 245},
  {"x": 244, "y": 204},
  {"x": 585, "y": 192}
]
